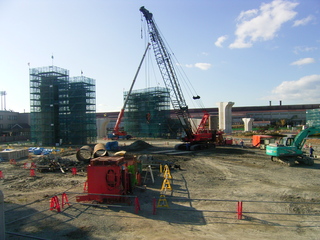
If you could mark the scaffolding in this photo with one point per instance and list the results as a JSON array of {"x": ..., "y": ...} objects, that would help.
[
  {"x": 313, "y": 117},
  {"x": 147, "y": 112},
  {"x": 52, "y": 106},
  {"x": 82, "y": 104}
]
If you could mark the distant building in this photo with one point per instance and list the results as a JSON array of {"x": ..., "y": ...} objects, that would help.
[
  {"x": 14, "y": 126},
  {"x": 62, "y": 109},
  {"x": 7, "y": 120},
  {"x": 313, "y": 117},
  {"x": 294, "y": 115}
]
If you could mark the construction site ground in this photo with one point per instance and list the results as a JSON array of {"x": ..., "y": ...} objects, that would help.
[{"x": 278, "y": 202}]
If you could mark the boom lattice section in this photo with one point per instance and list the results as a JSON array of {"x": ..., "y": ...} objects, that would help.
[{"x": 168, "y": 73}]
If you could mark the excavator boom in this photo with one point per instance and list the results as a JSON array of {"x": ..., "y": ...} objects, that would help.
[{"x": 299, "y": 140}]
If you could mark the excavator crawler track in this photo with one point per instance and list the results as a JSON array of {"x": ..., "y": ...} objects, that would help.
[{"x": 293, "y": 161}]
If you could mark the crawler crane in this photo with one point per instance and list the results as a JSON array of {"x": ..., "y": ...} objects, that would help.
[
  {"x": 194, "y": 140},
  {"x": 116, "y": 130}
]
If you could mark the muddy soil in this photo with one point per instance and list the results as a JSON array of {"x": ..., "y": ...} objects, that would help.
[{"x": 279, "y": 202}]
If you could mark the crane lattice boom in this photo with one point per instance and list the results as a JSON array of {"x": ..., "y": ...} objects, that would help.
[{"x": 168, "y": 73}]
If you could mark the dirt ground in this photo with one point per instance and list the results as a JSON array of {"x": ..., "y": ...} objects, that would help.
[{"x": 279, "y": 202}]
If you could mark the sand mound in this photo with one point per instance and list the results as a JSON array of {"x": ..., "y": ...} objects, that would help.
[{"x": 138, "y": 146}]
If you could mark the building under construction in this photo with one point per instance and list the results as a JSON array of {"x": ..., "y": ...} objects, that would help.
[
  {"x": 313, "y": 117},
  {"x": 147, "y": 112},
  {"x": 62, "y": 109}
]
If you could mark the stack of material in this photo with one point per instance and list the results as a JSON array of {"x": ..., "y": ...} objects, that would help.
[{"x": 8, "y": 154}]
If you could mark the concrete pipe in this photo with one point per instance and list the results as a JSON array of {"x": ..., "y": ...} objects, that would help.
[
  {"x": 84, "y": 153},
  {"x": 99, "y": 150}
]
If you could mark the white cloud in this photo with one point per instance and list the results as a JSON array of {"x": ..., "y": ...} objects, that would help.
[
  {"x": 203, "y": 66},
  {"x": 303, "y": 61},
  {"x": 306, "y": 89},
  {"x": 303, "y": 21},
  {"x": 299, "y": 49},
  {"x": 262, "y": 24},
  {"x": 220, "y": 40},
  {"x": 247, "y": 14}
]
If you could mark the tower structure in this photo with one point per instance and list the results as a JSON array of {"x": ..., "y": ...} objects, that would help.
[
  {"x": 147, "y": 112},
  {"x": 82, "y": 105},
  {"x": 55, "y": 103}
]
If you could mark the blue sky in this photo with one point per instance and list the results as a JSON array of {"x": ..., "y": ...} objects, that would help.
[{"x": 249, "y": 52}]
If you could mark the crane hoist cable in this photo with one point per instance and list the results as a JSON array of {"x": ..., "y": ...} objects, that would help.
[
  {"x": 182, "y": 75},
  {"x": 184, "y": 80}
]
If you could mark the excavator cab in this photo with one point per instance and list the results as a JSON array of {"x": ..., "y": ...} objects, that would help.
[{"x": 286, "y": 141}]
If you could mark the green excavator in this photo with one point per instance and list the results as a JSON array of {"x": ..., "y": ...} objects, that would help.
[{"x": 290, "y": 149}]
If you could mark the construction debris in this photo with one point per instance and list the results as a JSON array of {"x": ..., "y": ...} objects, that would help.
[{"x": 53, "y": 163}]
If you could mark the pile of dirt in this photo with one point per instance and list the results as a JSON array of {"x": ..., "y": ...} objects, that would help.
[{"x": 138, "y": 146}]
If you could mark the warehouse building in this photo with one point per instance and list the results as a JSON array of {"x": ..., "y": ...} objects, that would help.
[{"x": 294, "y": 115}]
